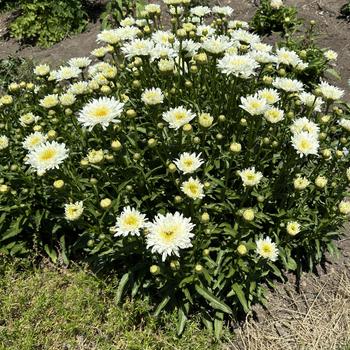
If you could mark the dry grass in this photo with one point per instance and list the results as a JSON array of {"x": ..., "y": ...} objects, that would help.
[{"x": 317, "y": 318}]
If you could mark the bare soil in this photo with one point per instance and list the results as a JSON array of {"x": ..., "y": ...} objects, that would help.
[{"x": 317, "y": 316}]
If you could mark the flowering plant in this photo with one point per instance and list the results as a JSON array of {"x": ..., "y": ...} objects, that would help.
[
  {"x": 180, "y": 159},
  {"x": 275, "y": 16}
]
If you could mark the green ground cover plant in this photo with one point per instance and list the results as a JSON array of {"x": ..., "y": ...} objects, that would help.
[
  {"x": 192, "y": 162},
  {"x": 45, "y": 22}
]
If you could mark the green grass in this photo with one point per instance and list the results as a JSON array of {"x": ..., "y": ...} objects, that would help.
[{"x": 72, "y": 309}]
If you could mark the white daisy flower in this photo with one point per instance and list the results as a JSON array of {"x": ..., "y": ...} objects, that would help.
[
  {"x": 102, "y": 112},
  {"x": 49, "y": 101},
  {"x": 79, "y": 88},
  {"x": 66, "y": 73},
  {"x": 223, "y": 10},
  {"x": 129, "y": 222},
  {"x": 345, "y": 123},
  {"x": 301, "y": 182},
  {"x": 305, "y": 143},
  {"x": 261, "y": 47},
  {"x": 293, "y": 228},
  {"x": 205, "y": 30},
  {"x": 245, "y": 37},
  {"x": 330, "y": 92},
  {"x": 303, "y": 124},
  {"x": 28, "y": 118},
  {"x": 138, "y": 47},
  {"x": 162, "y": 37},
  {"x": 169, "y": 233},
  {"x": 267, "y": 249},
  {"x": 216, "y": 45},
  {"x": 250, "y": 177},
  {"x": 73, "y": 211},
  {"x": 242, "y": 66},
  {"x": 4, "y": 142},
  {"x": 200, "y": 11},
  {"x": 163, "y": 51},
  {"x": 311, "y": 101},
  {"x": 276, "y": 4},
  {"x": 274, "y": 115},
  {"x": 42, "y": 70},
  {"x": 193, "y": 188},
  {"x": 33, "y": 140},
  {"x": 178, "y": 117},
  {"x": 270, "y": 95},
  {"x": 109, "y": 36},
  {"x": 287, "y": 57},
  {"x": 331, "y": 55},
  {"x": 288, "y": 85},
  {"x": 188, "y": 162},
  {"x": 46, "y": 156},
  {"x": 80, "y": 62},
  {"x": 127, "y": 22},
  {"x": 67, "y": 99},
  {"x": 153, "y": 96},
  {"x": 253, "y": 105},
  {"x": 344, "y": 207}
]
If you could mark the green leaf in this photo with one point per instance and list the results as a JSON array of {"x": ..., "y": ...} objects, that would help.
[
  {"x": 241, "y": 297},
  {"x": 124, "y": 280},
  {"x": 162, "y": 305},
  {"x": 218, "y": 324},
  {"x": 182, "y": 319},
  {"x": 14, "y": 229},
  {"x": 213, "y": 300}
]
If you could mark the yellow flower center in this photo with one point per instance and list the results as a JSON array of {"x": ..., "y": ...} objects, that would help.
[
  {"x": 188, "y": 162},
  {"x": 48, "y": 154},
  {"x": 169, "y": 233},
  {"x": 131, "y": 220},
  {"x": 267, "y": 249},
  {"x": 304, "y": 144},
  {"x": 193, "y": 188},
  {"x": 180, "y": 115},
  {"x": 100, "y": 112}
]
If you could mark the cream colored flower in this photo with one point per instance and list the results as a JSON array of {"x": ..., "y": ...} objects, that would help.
[
  {"x": 344, "y": 207},
  {"x": 188, "y": 162},
  {"x": 193, "y": 188},
  {"x": 130, "y": 222},
  {"x": 49, "y": 101},
  {"x": 47, "y": 155},
  {"x": 153, "y": 96},
  {"x": 73, "y": 211},
  {"x": 250, "y": 177},
  {"x": 4, "y": 142},
  {"x": 178, "y": 117},
  {"x": 169, "y": 233},
  {"x": 293, "y": 228},
  {"x": 267, "y": 249},
  {"x": 102, "y": 112},
  {"x": 301, "y": 182}
]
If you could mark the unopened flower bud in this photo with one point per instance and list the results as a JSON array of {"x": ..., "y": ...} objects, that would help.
[
  {"x": 131, "y": 113},
  {"x": 154, "y": 270},
  {"x": 248, "y": 214},
  {"x": 242, "y": 249},
  {"x": 4, "y": 188},
  {"x": 243, "y": 122},
  {"x": 105, "y": 203},
  {"x": 187, "y": 128},
  {"x": 58, "y": 184},
  {"x": 116, "y": 145},
  {"x": 205, "y": 218},
  {"x": 52, "y": 134},
  {"x": 321, "y": 181},
  {"x": 206, "y": 252},
  {"x": 198, "y": 268},
  {"x": 235, "y": 147}
]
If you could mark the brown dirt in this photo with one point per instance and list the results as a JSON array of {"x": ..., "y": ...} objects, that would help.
[{"x": 318, "y": 317}]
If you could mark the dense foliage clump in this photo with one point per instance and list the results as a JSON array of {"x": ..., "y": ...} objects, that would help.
[{"x": 192, "y": 161}]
